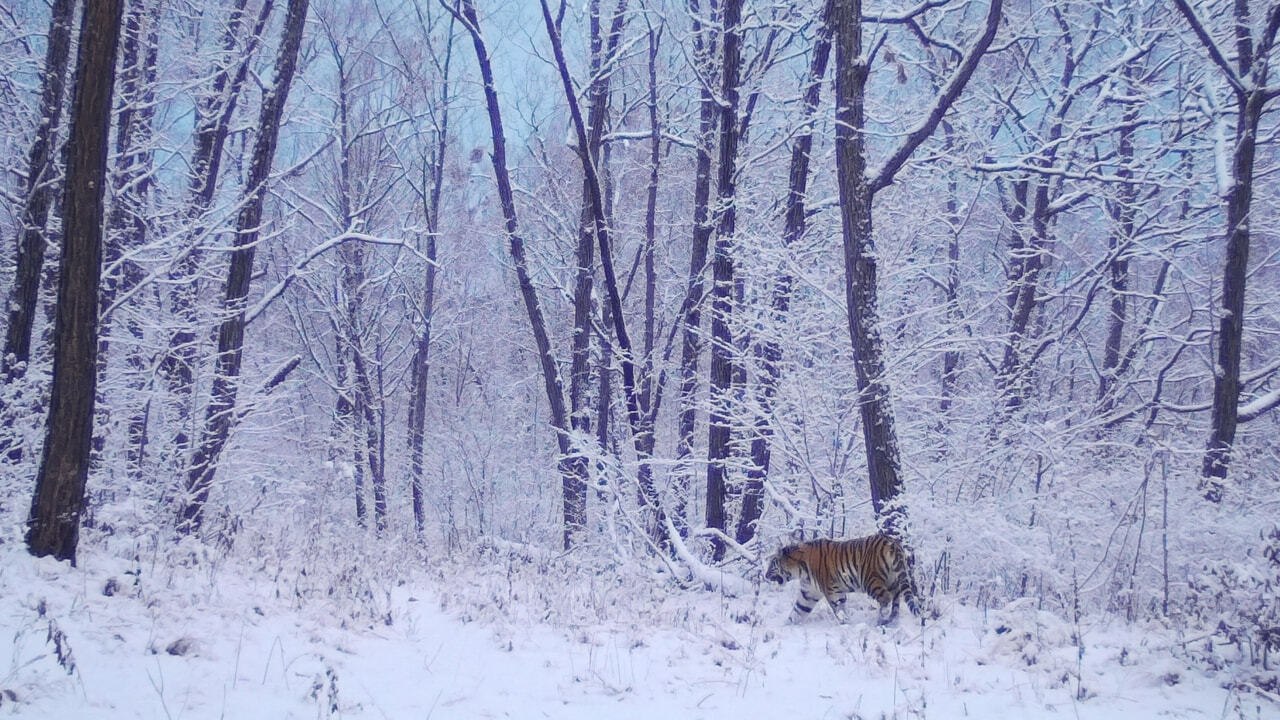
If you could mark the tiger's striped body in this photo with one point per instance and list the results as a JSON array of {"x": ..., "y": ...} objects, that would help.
[{"x": 832, "y": 569}]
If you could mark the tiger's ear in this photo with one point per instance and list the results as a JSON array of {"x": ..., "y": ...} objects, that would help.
[{"x": 791, "y": 551}]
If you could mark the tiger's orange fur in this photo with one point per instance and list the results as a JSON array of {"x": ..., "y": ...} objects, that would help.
[{"x": 832, "y": 569}]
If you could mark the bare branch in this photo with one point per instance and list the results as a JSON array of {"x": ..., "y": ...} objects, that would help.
[
  {"x": 959, "y": 79},
  {"x": 1215, "y": 53}
]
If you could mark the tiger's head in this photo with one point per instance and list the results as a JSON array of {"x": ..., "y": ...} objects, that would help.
[{"x": 784, "y": 565}]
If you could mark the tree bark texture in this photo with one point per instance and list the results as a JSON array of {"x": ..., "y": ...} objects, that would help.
[
  {"x": 54, "y": 525},
  {"x": 857, "y": 190},
  {"x": 723, "y": 364},
  {"x": 39, "y": 195},
  {"x": 878, "y": 432}
]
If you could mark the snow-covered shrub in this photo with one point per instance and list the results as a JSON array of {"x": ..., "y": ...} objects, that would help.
[{"x": 1240, "y": 603}]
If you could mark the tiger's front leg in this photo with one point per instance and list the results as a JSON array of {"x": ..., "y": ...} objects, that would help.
[
  {"x": 836, "y": 599},
  {"x": 809, "y": 598}
]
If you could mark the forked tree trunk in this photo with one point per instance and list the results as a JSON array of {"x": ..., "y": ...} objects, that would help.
[
  {"x": 226, "y": 381},
  {"x": 54, "y": 525},
  {"x": 1248, "y": 79},
  {"x": 857, "y": 190}
]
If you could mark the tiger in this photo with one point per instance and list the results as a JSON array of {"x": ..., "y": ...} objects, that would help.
[{"x": 877, "y": 565}]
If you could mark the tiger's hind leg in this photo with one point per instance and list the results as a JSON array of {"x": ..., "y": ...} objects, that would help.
[{"x": 888, "y": 600}]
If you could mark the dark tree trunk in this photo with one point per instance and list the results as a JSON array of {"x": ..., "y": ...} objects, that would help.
[
  {"x": 226, "y": 380},
  {"x": 723, "y": 363},
  {"x": 39, "y": 195},
  {"x": 575, "y": 483},
  {"x": 691, "y": 345},
  {"x": 856, "y": 193},
  {"x": 419, "y": 386},
  {"x": 1226, "y": 380},
  {"x": 769, "y": 353},
  {"x": 880, "y": 439},
  {"x": 371, "y": 413},
  {"x": 54, "y": 525},
  {"x": 1248, "y": 79}
]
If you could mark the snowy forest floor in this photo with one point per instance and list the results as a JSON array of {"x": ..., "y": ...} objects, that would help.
[{"x": 498, "y": 635}]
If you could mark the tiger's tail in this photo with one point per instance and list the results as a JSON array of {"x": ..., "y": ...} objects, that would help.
[{"x": 911, "y": 593}]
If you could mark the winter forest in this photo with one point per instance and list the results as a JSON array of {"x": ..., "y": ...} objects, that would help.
[{"x": 344, "y": 326}]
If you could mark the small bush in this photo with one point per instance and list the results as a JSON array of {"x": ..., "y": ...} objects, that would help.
[{"x": 1240, "y": 603}]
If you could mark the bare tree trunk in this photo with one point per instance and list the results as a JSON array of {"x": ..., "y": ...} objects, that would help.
[
  {"x": 1226, "y": 379},
  {"x": 722, "y": 349},
  {"x": 345, "y": 432},
  {"x": 1029, "y": 217},
  {"x": 39, "y": 194},
  {"x": 769, "y": 354},
  {"x": 857, "y": 191},
  {"x": 951, "y": 292},
  {"x": 650, "y": 387},
  {"x": 213, "y": 126},
  {"x": 1122, "y": 211},
  {"x": 422, "y": 353},
  {"x": 1249, "y": 82},
  {"x": 881, "y": 441},
  {"x": 374, "y": 440},
  {"x": 575, "y": 488},
  {"x": 639, "y": 409},
  {"x": 54, "y": 524},
  {"x": 691, "y": 347},
  {"x": 221, "y": 408},
  {"x": 533, "y": 308}
]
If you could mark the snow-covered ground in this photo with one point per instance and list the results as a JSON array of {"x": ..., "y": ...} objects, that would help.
[{"x": 473, "y": 640}]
